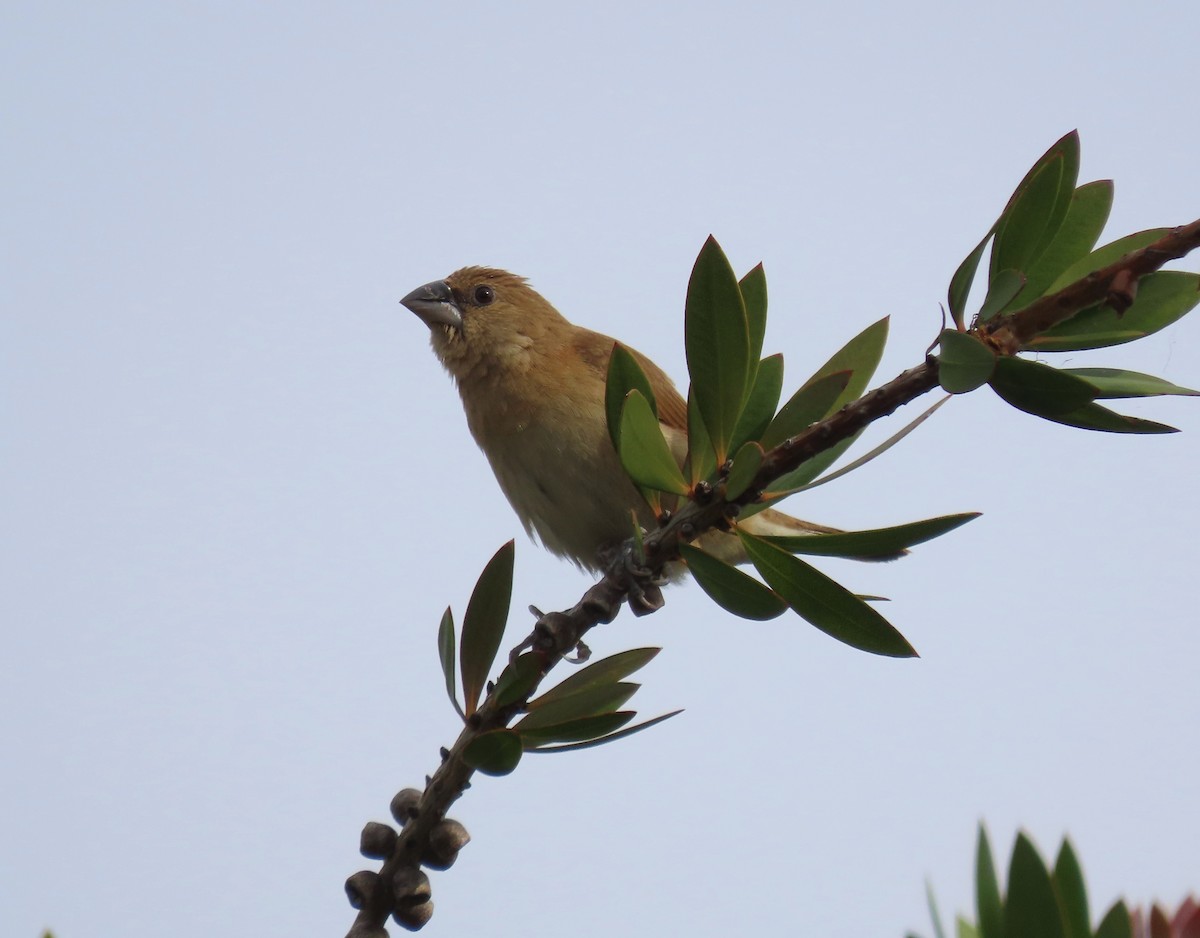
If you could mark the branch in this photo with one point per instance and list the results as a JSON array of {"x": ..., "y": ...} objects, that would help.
[{"x": 426, "y": 837}]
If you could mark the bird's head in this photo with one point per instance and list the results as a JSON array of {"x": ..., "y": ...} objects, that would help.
[{"x": 481, "y": 315}]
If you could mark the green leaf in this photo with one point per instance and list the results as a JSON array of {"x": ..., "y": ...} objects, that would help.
[
  {"x": 761, "y": 403},
  {"x": 644, "y": 452},
  {"x": 483, "y": 625},
  {"x": 1116, "y": 383},
  {"x": 1037, "y": 209},
  {"x": 934, "y": 914},
  {"x": 1116, "y": 923},
  {"x": 604, "y": 672},
  {"x": 628, "y": 731},
  {"x": 495, "y": 752},
  {"x": 701, "y": 460},
  {"x": 829, "y": 606},
  {"x": 1105, "y": 255},
  {"x": 965, "y": 363},
  {"x": 1094, "y": 417},
  {"x": 754, "y": 297},
  {"x": 573, "y": 731},
  {"x": 1072, "y": 893},
  {"x": 731, "y": 589},
  {"x": 717, "y": 344},
  {"x": 877, "y": 451},
  {"x": 960, "y": 283},
  {"x": 965, "y": 929},
  {"x": 1022, "y": 227},
  {"x": 1163, "y": 297},
  {"x": 1039, "y": 389},
  {"x": 745, "y": 467},
  {"x": 1080, "y": 230},
  {"x": 604, "y": 698},
  {"x": 811, "y": 403},
  {"x": 447, "y": 657},
  {"x": 1070, "y": 343},
  {"x": 804, "y": 474},
  {"x": 875, "y": 543},
  {"x": 860, "y": 356},
  {"x": 1031, "y": 908},
  {"x": 1001, "y": 291},
  {"x": 519, "y": 679},
  {"x": 988, "y": 904},
  {"x": 624, "y": 375}
]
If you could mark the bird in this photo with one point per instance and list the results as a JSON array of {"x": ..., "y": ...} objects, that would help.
[{"x": 533, "y": 386}]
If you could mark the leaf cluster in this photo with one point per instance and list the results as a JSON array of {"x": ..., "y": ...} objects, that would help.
[
  {"x": 1040, "y": 902},
  {"x": 581, "y": 711},
  {"x": 1044, "y": 240}
]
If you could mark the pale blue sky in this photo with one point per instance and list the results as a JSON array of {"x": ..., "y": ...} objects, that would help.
[{"x": 239, "y": 490}]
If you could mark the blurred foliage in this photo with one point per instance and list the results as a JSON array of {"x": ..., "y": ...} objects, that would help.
[{"x": 1052, "y": 903}]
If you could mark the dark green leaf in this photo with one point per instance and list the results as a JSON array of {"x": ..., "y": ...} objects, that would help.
[
  {"x": 988, "y": 904},
  {"x": 1116, "y": 383},
  {"x": 644, "y": 452},
  {"x": 624, "y": 375},
  {"x": 1037, "y": 209},
  {"x": 619, "y": 734},
  {"x": 960, "y": 283},
  {"x": 822, "y": 602},
  {"x": 811, "y": 403},
  {"x": 1022, "y": 227},
  {"x": 731, "y": 589},
  {"x": 1094, "y": 417},
  {"x": 1031, "y": 908},
  {"x": 754, "y": 297},
  {"x": 717, "y": 343},
  {"x": 483, "y": 625},
  {"x": 1039, "y": 389},
  {"x": 600, "y": 673},
  {"x": 876, "y": 543},
  {"x": 1080, "y": 230},
  {"x": 1004, "y": 286},
  {"x": 1116, "y": 923},
  {"x": 761, "y": 404},
  {"x": 573, "y": 731},
  {"x": 965, "y": 363},
  {"x": 446, "y": 654},
  {"x": 604, "y": 698},
  {"x": 1162, "y": 298},
  {"x": 1105, "y": 255},
  {"x": 495, "y": 752},
  {"x": 701, "y": 461},
  {"x": 1072, "y": 893},
  {"x": 519, "y": 679},
  {"x": 745, "y": 467}
]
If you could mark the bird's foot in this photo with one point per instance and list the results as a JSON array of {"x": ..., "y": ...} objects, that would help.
[{"x": 642, "y": 585}]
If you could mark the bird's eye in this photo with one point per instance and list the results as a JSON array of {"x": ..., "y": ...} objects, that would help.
[{"x": 483, "y": 295}]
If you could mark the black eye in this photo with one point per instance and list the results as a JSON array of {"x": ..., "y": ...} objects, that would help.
[{"x": 483, "y": 295}]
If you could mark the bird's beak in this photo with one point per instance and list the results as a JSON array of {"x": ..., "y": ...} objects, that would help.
[{"x": 434, "y": 303}]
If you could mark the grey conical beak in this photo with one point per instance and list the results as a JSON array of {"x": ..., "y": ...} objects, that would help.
[{"x": 434, "y": 303}]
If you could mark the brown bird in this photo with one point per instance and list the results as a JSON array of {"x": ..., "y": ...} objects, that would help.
[{"x": 532, "y": 385}]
